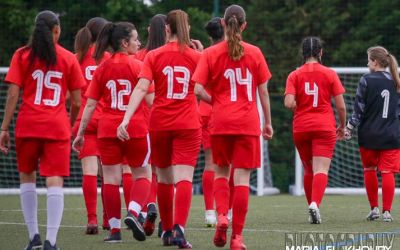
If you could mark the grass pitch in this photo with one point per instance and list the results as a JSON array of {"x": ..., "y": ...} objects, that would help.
[{"x": 269, "y": 218}]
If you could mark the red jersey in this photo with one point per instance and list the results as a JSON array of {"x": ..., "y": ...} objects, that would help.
[
  {"x": 175, "y": 105},
  {"x": 205, "y": 108},
  {"x": 43, "y": 113},
  {"x": 233, "y": 86},
  {"x": 141, "y": 54},
  {"x": 88, "y": 66},
  {"x": 314, "y": 85},
  {"x": 113, "y": 81}
]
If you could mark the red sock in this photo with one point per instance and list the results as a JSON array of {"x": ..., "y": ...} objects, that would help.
[
  {"x": 165, "y": 194},
  {"x": 153, "y": 191},
  {"x": 371, "y": 186},
  {"x": 183, "y": 200},
  {"x": 388, "y": 186},
  {"x": 105, "y": 218},
  {"x": 239, "y": 209},
  {"x": 320, "y": 181},
  {"x": 208, "y": 188},
  {"x": 127, "y": 182},
  {"x": 89, "y": 187},
  {"x": 139, "y": 194},
  {"x": 231, "y": 187},
  {"x": 221, "y": 194},
  {"x": 112, "y": 200},
  {"x": 307, "y": 183}
]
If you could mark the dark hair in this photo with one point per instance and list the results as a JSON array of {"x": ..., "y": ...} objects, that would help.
[
  {"x": 157, "y": 35},
  {"x": 215, "y": 30},
  {"x": 234, "y": 18},
  {"x": 178, "y": 22},
  {"x": 112, "y": 35},
  {"x": 41, "y": 42},
  {"x": 87, "y": 35},
  {"x": 385, "y": 59},
  {"x": 311, "y": 47}
]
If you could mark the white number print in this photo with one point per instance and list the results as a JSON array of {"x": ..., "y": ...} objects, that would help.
[
  {"x": 235, "y": 77},
  {"x": 169, "y": 72},
  {"x": 313, "y": 92},
  {"x": 386, "y": 96},
  {"x": 117, "y": 99},
  {"x": 89, "y": 72},
  {"x": 42, "y": 81}
]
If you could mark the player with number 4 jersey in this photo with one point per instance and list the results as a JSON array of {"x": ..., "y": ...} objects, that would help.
[
  {"x": 376, "y": 114},
  {"x": 309, "y": 90}
]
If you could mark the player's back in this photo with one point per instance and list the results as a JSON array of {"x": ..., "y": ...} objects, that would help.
[
  {"x": 314, "y": 85},
  {"x": 175, "y": 105},
  {"x": 380, "y": 126}
]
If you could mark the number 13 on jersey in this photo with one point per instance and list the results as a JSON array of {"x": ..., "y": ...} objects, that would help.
[{"x": 313, "y": 92}]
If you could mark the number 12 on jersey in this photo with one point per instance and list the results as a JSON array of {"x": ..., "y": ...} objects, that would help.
[{"x": 313, "y": 92}]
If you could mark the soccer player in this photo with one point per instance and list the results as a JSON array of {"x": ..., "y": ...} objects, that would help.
[
  {"x": 84, "y": 47},
  {"x": 216, "y": 32},
  {"x": 309, "y": 90},
  {"x": 233, "y": 70},
  {"x": 113, "y": 82},
  {"x": 174, "y": 124},
  {"x": 45, "y": 71},
  {"x": 376, "y": 116},
  {"x": 156, "y": 39}
]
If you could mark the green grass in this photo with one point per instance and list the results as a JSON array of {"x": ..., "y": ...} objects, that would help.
[{"x": 267, "y": 221}]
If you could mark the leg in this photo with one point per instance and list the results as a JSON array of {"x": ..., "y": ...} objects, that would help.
[
  {"x": 208, "y": 188},
  {"x": 127, "y": 182},
  {"x": 29, "y": 204},
  {"x": 55, "y": 206},
  {"x": 89, "y": 187},
  {"x": 240, "y": 199},
  {"x": 165, "y": 194}
]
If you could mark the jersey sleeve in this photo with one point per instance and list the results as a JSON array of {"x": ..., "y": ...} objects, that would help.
[
  {"x": 337, "y": 87},
  {"x": 76, "y": 80},
  {"x": 263, "y": 71},
  {"x": 146, "y": 71},
  {"x": 95, "y": 90},
  {"x": 201, "y": 74},
  {"x": 290, "y": 84},
  {"x": 14, "y": 74}
]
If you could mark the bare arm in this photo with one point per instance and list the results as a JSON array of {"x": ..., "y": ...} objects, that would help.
[
  {"x": 149, "y": 99},
  {"x": 136, "y": 98},
  {"x": 265, "y": 104},
  {"x": 290, "y": 102},
  {"x": 75, "y": 102},
  {"x": 201, "y": 93},
  {"x": 11, "y": 105},
  {"x": 87, "y": 114},
  {"x": 341, "y": 109}
]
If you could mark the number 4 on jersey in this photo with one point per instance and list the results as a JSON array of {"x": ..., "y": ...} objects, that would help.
[{"x": 313, "y": 92}]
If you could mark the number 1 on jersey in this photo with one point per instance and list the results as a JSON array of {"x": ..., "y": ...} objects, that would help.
[
  {"x": 313, "y": 92},
  {"x": 44, "y": 80},
  {"x": 169, "y": 72},
  {"x": 385, "y": 95}
]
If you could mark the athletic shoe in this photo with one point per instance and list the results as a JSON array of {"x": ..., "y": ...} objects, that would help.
[
  {"x": 160, "y": 231},
  {"x": 210, "y": 218},
  {"x": 220, "y": 232},
  {"x": 92, "y": 229},
  {"x": 373, "y": 214},
  {"x": 230, "y": 215},
  {"x": 166, "y": 238},
  {"x": 386, "y": 217},
  {"x": 141, "y": 219},
  {"x": 149, "y": 224},
  {"x": 314, "y": 213},
  {"x": 113, "y": 237},
  {"x": 178, "y": 238},
  {"x": 105, "y": 225},
  {"x": 237, "y": 243},
  {"x": 35, "y": 243},
  {"x": 134, "y": 225},
  {"x": 48, "y": 246}
]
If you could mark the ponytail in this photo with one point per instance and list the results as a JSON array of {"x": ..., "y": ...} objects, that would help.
[
  {"x": 83, "y": 40},
  {"x": 157, "y": 35},
  {"x": 178, "y": 22},
  {"x": 393, "y": 70},
  {"x": 311, "y": 48},
  {"x": 103, "y": 41},
  {"x": 234, "y": 18},
  {"x": 42, "y": 42}
]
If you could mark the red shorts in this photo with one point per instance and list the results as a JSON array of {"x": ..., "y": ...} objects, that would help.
[
  {"x": 90, "y": 147},
  {"x": 175, "y": 147},
  {"x": 206, "y": 140},
  {"x": 385, "y": 160},
  {"x": 135, "y": 152},
  {"x": 53, "y": 155},
  {"x": 314, "y": 143},
  {"x": 242, "y": 151}
]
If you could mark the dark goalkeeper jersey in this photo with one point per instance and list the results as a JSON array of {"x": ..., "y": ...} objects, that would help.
[{"x": 376, "y": 112}]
